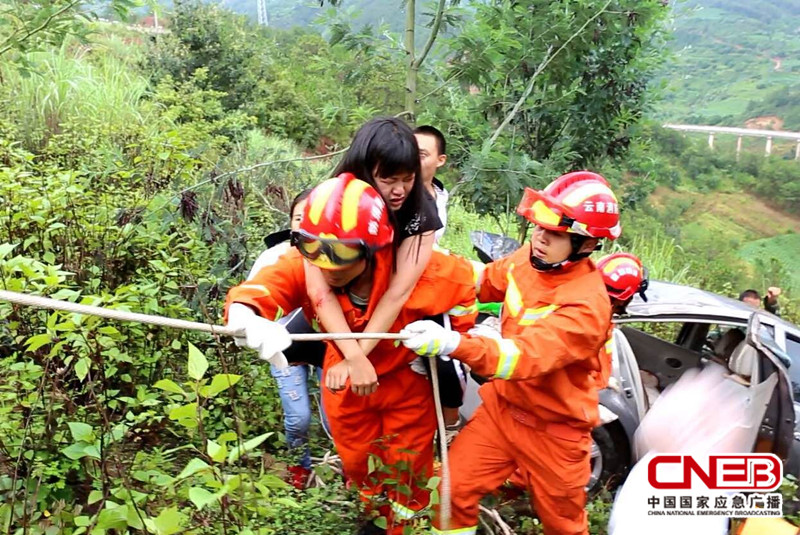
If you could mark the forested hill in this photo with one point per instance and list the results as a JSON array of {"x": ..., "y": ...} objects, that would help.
[{"x": 734, "y": 61}]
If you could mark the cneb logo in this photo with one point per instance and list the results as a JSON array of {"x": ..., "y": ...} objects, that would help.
[{"x": 761, "y": 472}]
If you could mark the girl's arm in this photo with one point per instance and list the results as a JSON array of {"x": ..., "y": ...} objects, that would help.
[
  {"x": 410, "y": 266},
  {"x": 363, "y": 378}
]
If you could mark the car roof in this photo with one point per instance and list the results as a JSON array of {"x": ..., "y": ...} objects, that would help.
[{"x": 666, "y": 300}]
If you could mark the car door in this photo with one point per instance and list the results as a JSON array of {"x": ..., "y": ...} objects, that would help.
[{"x": 776, "y": 433}]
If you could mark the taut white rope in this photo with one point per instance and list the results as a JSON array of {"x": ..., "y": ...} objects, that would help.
[{"x": 163, "y": 321}]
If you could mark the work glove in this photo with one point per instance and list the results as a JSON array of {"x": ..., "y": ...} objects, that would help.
[
  {"x": 266, "y": 337},
  {"x": 430, "y": 339}
]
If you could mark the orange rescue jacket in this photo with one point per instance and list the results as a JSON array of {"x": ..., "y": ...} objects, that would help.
[
  {"x": 554, "y": 325},
  {"x": 445, "y": 287}
]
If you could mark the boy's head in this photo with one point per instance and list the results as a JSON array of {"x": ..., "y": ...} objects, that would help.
[
  {"x": 345, "y": 221},
  {"x": 432, "y": 151},
  {"x": 572, "y": 214},
  {"x": 624, "y": 276},
  {"x": 751, "y": 297}
]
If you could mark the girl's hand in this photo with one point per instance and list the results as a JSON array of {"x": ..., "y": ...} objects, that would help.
[
  {"x": 336, "y": 377},
  {"x": 363, "y": 379}
]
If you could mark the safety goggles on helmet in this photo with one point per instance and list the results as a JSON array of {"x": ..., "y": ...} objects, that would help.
[
  {"x": 541, "y": 210},
  {"x": 329, "y": 253}
]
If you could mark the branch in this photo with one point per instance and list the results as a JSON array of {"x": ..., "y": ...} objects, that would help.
[
  {"x": 437, "y": 22},
  {"x": 7, "y": 44},
  {"x": 539, "y": 69}
]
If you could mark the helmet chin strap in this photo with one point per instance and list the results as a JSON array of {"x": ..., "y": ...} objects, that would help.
[{"x": 577, "y": 242}]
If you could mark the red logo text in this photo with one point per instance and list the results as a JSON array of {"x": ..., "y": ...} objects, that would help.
[{"x": 752, "y": 472}]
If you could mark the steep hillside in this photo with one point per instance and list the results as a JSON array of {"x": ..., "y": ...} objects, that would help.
[
  {"x": 746, "y": 224},
  {"x": 729, "y": 57}
]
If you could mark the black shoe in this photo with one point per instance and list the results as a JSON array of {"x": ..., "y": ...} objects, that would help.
[{"x": 369, "y": 528}]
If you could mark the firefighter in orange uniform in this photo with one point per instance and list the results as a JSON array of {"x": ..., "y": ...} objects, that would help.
[
  {"x": 624, "y": 276},
  {"x": 538, "y": 411},
  {"x": 346, "y": 232}
]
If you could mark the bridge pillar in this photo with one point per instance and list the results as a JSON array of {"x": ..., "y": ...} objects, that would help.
[
  {"x": 738, "y": 147},
  {"x": 797, "y": 150},
  {"x": 711, "y": 140},
  {"x": 769, "y": 146}
]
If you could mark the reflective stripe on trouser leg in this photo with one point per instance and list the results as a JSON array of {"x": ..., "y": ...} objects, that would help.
[{"x": 460, "y": 531}]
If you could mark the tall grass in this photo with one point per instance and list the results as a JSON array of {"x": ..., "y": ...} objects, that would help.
[
  {"x": 664, "y": 258},
  {"x": 70, "y": 85}
]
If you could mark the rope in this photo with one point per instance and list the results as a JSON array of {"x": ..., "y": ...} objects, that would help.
[
  {"x": 163, "y": 321},
  {"x": 444, "y": 495}
]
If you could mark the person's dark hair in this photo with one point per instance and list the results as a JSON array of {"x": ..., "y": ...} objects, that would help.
[
  {"x": 300, "y": 197},
  {"x": 429, "y": 130},
  {"x": 386, "y": 146},
  {"x": 749, "y": 293}
]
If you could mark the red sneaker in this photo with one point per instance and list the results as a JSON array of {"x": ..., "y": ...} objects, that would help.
[{"x": 298, "y": 476}]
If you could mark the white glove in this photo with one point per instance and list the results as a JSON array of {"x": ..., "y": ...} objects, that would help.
[
  {"x": 429, "y": 339},
  {"x": 266, "y": 337}
]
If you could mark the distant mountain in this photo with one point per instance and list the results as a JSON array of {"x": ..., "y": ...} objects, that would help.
[
  {"x": 290, "y": 13},
  {"x": 733, "y": 61}
]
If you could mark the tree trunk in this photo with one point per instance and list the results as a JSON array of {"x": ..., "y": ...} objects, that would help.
[{"x": 411, "y": 65}]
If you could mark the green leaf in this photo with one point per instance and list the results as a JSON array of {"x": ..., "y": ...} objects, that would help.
[
  {"x": 169, "y": 386},
  {"x": 35, "y": 342},
  {"x": 6, "y": 248},
  {"x": 82, "y": 521},
  {"x": 380, "y": 522},
  {"x": 168, "y": 522},
  {"x": 226, "y": 437},
  {"x": 116, "y": 518},
  {"x": 197, "y": 363},
  {"x": 75, "y": 451},
  {"x": 95, "y": 496},
  {"x": 248, "y": 446},
  {"x": 193, "y": 467},
  {"x": 81, "y": 431},
  {"x": 219, "y": 383},
  {"x": 288, "y": 502},
  {"x": 82, "y": 368},
  {"x": 200, "y": 497},
  {"x": 184, "y": 411},
  {"x": 217, "y": 452},
  {"x": 433, "y": 482}
]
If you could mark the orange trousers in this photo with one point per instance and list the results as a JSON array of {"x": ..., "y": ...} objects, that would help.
[
  {"x": 394, "y": 426},
  {"x": 553, "y": 459}
]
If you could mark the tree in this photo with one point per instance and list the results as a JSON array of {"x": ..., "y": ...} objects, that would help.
[
  {"x": 440, "y": 18},
  {"x": 27, "y": 25},
  {"x": 557, "y": 83}
]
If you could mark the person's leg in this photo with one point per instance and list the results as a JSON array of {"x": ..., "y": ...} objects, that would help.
[
  {"x": 293, "y": 390},
  {"x": 557, "y": 469},
  {"x": 451, "y": 387},
  {"x": 408, "y": 426},
  {"x": 323, "y": 417},
  {"x": 355, "y": 427},
  {"x": 480, "y": 461}
]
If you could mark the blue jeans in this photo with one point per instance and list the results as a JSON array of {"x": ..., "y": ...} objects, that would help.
[{"x": 296, "y": 401}]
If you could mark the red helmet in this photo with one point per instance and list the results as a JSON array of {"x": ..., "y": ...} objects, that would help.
[
  {"x": 580, "y": 203},
  {"x": 344, "y": 220},
  {"x": 624, "y": 275}
]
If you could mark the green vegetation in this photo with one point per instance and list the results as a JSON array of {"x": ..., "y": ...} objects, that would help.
[
  {"x": 141, "y": 172},
  {"x": 731, "y": 61}
]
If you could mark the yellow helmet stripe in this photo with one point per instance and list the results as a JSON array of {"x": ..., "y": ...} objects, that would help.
[
  {"x": 321, "y": 196},
  {"x": 616, "y": 263},
  {"x": 350, "y": 201},
  {"x": 584, "y": 192}
]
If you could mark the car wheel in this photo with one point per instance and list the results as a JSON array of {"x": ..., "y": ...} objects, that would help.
[{"x": 610, "y": 457}]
